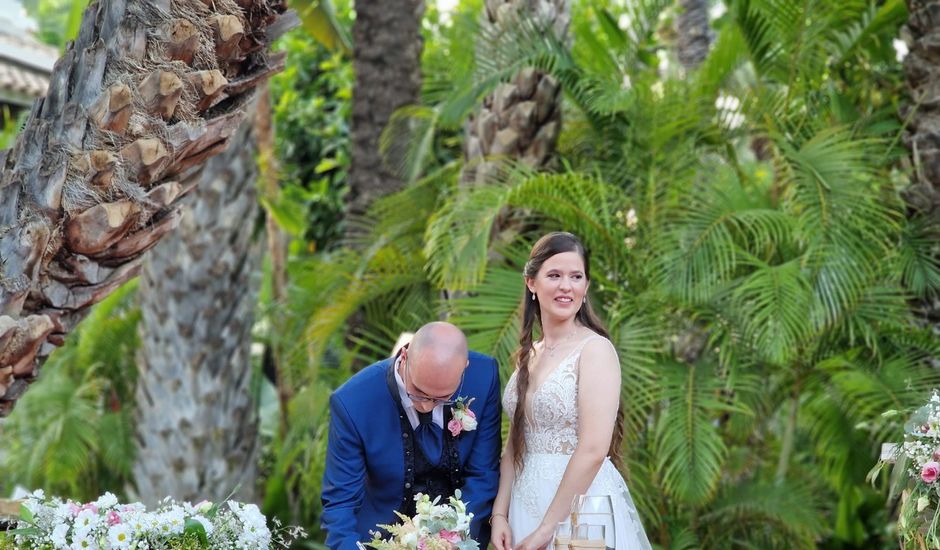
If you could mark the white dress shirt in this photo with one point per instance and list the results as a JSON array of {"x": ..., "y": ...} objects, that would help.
[{"x": 437, "y": 415}]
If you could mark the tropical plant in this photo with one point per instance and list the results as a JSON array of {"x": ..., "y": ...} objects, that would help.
[
  {"x": 752, "y": 208},
  {"x": 73, "y": 434}
]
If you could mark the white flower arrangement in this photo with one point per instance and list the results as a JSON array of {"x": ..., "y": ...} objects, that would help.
[
  {"x": 434, "y": 527},
  {"x": 54, "y": 524},
  {"x": 917, "y": 469}
]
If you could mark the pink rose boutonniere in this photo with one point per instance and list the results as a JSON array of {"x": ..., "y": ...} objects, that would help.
[{"x": 464, "y": 420}]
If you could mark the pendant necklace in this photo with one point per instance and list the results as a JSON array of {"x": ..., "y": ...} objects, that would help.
[{"x": 551, "y": 349}]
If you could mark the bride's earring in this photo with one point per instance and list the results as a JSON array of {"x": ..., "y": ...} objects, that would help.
[{"x": 533, "y": 296}]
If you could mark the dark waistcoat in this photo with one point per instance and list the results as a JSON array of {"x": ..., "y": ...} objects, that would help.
[{"x": 421, "y": 474}]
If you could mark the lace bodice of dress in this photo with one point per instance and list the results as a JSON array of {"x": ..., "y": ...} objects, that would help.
[{"x": 551, "y": 421}]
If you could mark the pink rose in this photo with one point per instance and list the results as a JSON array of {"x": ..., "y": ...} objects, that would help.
[
  {"x": 113, "y": 518},
  {"x": 90, "y": 506},
  {"x": 936, "y": 454},
  {"x": 450, "y": 536},
  {"x": 454, "y": 426},
  {"x": 930, "y": 471}
]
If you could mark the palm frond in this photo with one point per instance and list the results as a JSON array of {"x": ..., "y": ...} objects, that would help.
[
  {"x": 866, "y": 26},
  {"x": 772, "y": 304},
  {"x": 388, "y": 270},
  {"x": 458, "y": 236},
  {"x": 690, "y": 452},
  {"x": 491, "y": 315},
  {"x": 791, "y": 511},
  {"x": 408, "y": 140},
  {"x": 720, "y": 226},
  {"x": 920, "y": 267}
]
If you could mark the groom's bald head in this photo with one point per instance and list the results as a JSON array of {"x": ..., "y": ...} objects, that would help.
[
  {"x": 441, "y": 342},
  {"x": 437, "y": 357}
]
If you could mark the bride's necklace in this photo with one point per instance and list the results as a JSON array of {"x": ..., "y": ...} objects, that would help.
[{"x": 551, "y": 349}]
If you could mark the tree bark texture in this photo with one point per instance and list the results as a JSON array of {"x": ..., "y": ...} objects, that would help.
[
  {"x": 521, "y": 119},
  {"x": 922, "y": 136},
  {"x": 387, "y": 48},
  {"x": 147, "y": 92},
  {"x": 197, "y": 422},
  {"x": 694, "y": 34}
]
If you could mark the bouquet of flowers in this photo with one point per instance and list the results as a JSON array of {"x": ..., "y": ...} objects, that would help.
[
  {"x": 917, "y": 467},
  {"x": 434, "y": 527},
  {"x": 50, "y": 523}
]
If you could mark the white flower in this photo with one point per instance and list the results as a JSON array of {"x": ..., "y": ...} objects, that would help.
[
  {"x": 58, "y": 536},
  {"x": 120, "y": 536},
  {"x": 106, "y": 500},
  {"x": 83, "y": 542},
  {"x": 86, "y": 521},
  {"x": 410, "y": 539},
  {"x": 922, "y": 503},
  {"x": 463, "y": 522},
  {"x": 469, "y": 423},
  {"x": 900, "y": 52}
]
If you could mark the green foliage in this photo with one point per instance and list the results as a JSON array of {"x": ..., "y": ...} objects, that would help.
[
  {"x": 72, "y": 434},
  {"x": 58, "y": 20},
  {"x": 750, "y": 253},
  {"x": 311, "y": 99}
]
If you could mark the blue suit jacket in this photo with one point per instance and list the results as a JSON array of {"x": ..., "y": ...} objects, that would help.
[{"x": 363, "y": 483}]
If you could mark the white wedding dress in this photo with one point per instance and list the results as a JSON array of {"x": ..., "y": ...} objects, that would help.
[{"x": 551, "y": 435}]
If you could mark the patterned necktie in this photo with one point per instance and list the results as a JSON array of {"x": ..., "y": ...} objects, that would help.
[{"x": 429, "y": 437}]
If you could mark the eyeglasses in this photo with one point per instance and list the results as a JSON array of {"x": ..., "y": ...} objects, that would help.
[{"x": 424, "y": 398}]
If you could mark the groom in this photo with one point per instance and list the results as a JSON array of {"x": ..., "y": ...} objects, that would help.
[{"x": 392, "y": 435}]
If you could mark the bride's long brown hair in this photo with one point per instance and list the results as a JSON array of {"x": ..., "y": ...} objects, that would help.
[{"x": 546, "y": 247}]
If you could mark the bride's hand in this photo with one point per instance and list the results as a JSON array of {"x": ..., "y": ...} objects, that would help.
[
  {"x": 539, "y": 539},
  {"x": 501, "y": 534}
]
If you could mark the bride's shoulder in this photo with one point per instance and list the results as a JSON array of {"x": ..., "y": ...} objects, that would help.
[{"x": 598, "y": 347}]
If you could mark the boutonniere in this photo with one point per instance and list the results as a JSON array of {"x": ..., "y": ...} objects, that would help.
[{"x": 464, "y": 420}]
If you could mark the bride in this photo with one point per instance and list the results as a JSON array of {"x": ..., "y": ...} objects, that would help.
[{"x": 563, "y": 399}]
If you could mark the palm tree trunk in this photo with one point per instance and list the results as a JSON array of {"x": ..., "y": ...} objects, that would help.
[
  {"x": 521, "y": 120},
  {"x": 148, "y": 91},
  {"x": 273, "y": 364},
  {"x": 196, "y": 419},
  {"x": 922, "y": 69},
  {"x": 694, "y": 35},
  {"x": 387, "y": 48}
]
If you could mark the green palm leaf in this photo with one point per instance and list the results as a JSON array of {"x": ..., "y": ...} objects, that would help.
[
  {"x": 458, "y": 237},
  {"x": 492, "y": 315},
  {"x": 791, "y": 511},
  {"x": 772, "y": 304},
  {"x": 920, "y": 267},
  {"x": 690, "y": 452}
]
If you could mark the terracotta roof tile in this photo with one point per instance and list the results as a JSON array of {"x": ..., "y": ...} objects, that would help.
[{"x": 25, "y": 65}]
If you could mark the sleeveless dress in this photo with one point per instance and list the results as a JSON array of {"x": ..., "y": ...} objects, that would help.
[{"x": 551, "y": 435}]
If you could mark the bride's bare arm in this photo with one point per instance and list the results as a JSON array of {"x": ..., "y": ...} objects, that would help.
[
  {"x": 501, "y": 536},
  {"x": 598, "y": 400}
]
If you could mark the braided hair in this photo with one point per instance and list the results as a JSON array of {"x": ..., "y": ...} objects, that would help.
[{"x": 546, "y": 247}]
